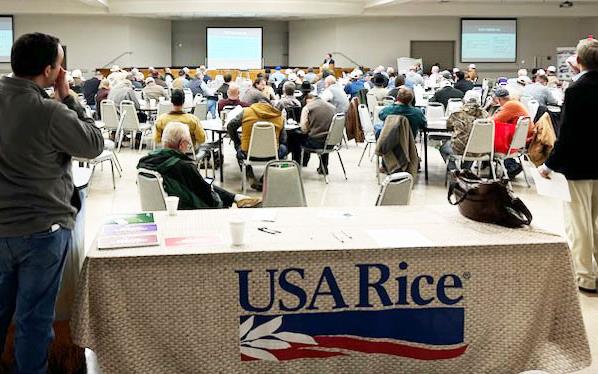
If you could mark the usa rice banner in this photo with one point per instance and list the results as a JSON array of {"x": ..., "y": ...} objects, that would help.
[{"x": 456, "y": 309}]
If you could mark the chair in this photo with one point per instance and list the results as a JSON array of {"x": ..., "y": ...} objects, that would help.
[
  {"x": 109, "y": 115},
  {"x": 107, "y": 155},
  {"x": 532, "y": 108},
  {"x": 396, "y": 190},
  {"x": 188, "y": 98},
  {"x": 283, "y": 185},
  {"x": 198, "y": 97},
  {"x": 388, "y": 100},
  {"x": 224, "y": 112},
  {"x": 435, "y": 116},
  {"x": 368, "y": 129},
  {"x": 372, "y": 102},
  {"x": 453, "y": 106},
  {"x": 332, "y": 144},
  {"x": 139, "y": 94},
  {"x": 130, "y": 123},
  {"x": 480, "y": 145},
  {"x": 418, "y": 92},
  {"x": 201, "y": 109},
  {"x": 164, "y": 107},
  {"x": 263, "y": 148},
  {"x": 151, "y": 190},
  {"x": 517, "y": 148}
]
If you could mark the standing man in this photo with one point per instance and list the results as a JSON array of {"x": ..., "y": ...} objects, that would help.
[
  {"x": 38, "y": 136},
  {"x": 574, "y": 156}
]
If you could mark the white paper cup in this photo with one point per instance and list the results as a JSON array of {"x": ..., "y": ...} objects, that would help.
[
  {"x": 237, "y": 231},
  {"x": 172, "y": 204}
]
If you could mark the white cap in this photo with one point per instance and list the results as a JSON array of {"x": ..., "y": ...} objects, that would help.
[
  {"x": 186, "y": 70},
  {"x": 292, "y": 77},
  {"x": 76, "y": 73},
  {"x": 456, "y": 70},
  {"x": 114, "y": 68},
  {"x": 356, "y": 74},
  {"x": 149, "y": 80},
  {"x": 551, "y": 69},
  {"x": 541, "y": 72},
  {"x": 288, "y": 71},
  {"x": 472, "y": 66},
  {"x": 522, "y": 72},
  {"x": 301, "y": 74}
]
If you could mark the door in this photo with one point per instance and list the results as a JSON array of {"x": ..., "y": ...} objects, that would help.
[{"x": 431, "y": 52}]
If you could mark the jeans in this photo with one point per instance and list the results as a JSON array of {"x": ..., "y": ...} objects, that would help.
[
  {"x": 446, "y": 150},
  {"x": 212, "y": 104},
  {"x": 30, "y": 272}
]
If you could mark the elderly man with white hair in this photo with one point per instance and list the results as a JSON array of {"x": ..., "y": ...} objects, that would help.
[
  {"x": 356, "y": 84},
  {"x": 461, "y": 122},
  {"x": 123, "y": 90},
  {"x": 335, "y": 95},
  {"x": 183, "y": 179}
]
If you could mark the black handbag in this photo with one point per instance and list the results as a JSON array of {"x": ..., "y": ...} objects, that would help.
[{"x": 486, "y": 200}]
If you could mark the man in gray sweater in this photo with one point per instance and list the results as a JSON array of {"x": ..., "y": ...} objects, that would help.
[
  {"x": 38, "y": 136},
  {"x": 316, "y": 119}
]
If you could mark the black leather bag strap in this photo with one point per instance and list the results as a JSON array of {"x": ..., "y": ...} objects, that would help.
[{"x": 520, "y": 212}]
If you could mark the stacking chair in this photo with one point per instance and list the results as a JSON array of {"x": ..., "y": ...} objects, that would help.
[
  {"x": 368, "y": 130},
  {"x": 224, "y": 112},
  {"x": 262, "y": 149},
  {"x": 332, "y": 144},
  {"x": 435, "y": 116},
  {"x": 283, "y": 185},
  {"x": 107, "y": 155},
  {"x": 188, "y": 98},
  {"x": 130, "y": 123},
  {"x": 396, "y": 190},
  {"x": 480, "y": 145},
  {"x": 517, "y": 148},
  {"x": 109, "y": 115},
  {"x": 151, "y": 190},
  {"x": 532, "y": 107},
  {"x": 372, "y": 102},
  {"x": 201, "y": 109},
  {"x": 452, "y": 106},
  {"x": 138, "y": 94},
  {"x": 164, "y": 107},
  {"x": 418, "y": 92}
]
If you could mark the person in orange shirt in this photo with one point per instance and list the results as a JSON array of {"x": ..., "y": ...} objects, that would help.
[{"x": 509, "y": 112}]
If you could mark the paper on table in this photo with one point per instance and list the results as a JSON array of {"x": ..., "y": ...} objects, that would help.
[
  {"x": 399, "y": 238},
  {"x": 556, "y": 186}
]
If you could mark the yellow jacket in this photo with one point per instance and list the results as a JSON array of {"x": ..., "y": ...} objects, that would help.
[
  {"x": 256, "y": 113},
  {"x": 198, "y": 135}
]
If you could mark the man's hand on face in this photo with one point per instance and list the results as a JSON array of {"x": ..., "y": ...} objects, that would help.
[{"x": 61, "y": 86}]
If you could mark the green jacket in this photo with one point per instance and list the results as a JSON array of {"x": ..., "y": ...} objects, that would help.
[
  {"x": 416, "y": 117},
  {"x": 182, "y": 179}
]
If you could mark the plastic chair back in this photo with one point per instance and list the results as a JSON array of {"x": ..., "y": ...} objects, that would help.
[
  {"x": 164, "y": 107},
  {"x": 520, "y": 135},
  {"x": 396, "y": 190},
  {"x": 201, "y": 110},
  {"x": 283, "y": 185},
  {"x": 128, "y": 114},
  {"x": 481, "y": 139},
  {"x": 336, "y": 132},
  {"x": 109, "y": 114},
  {"x": 262, "y": 145},
  {"x": 365, "y": 119},
  {"x": 453, "y": 105},
  {"x": 151, "y": 190},
  {"x": 434, "y": 111}
]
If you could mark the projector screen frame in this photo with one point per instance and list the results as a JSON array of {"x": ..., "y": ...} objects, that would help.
[
  {"x": 488, "y": 19},
  {"x": 236, "y": 27},
  {"x": 12, "y": 25}
]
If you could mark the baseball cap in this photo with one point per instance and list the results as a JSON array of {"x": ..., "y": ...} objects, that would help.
[
  {"x": 551, "y": 69},
  {"x": 501, "y": 92}
]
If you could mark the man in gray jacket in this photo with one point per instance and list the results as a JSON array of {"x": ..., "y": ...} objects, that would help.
[{"x": 38, "y": 136}]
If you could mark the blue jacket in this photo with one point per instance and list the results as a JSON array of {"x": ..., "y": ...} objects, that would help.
[{"x": 354, "y": 87}]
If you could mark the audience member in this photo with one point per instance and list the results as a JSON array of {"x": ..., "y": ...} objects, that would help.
[
  {"x": 78, "y": 81},
  {"x": 379, "y": 91},
  {"x": 39, "y": 204},
  {"x": 446, "y": 92},
  {"x": 463, "y": 84},
  {"x": 356, "y": 84},
  {"x": 403, "y": 107},
  {"x": 181, "y": 82},
  {"x": 223, "y": 89},
  {"x": 573, "y": 155},
  {"x": 335, "y": 95},
  {"x": 472, "y": 73},
  {"x": 254, "y": 94},
  {"x": 435, "y": 77},
  {"x": 539, "y": 91},
  {"x": 288, "y": 99},
  {"x": 399, "y": 82},
  {"x": 277, "y": 77},
  {"x": 413, "y": 78},
  {"x": 261, "y": 111},
  {"x": 153, "y": 91},
  {"x": 199, "y": 86},
  {"x": 123, "y": 90},
  {"x": 158, "y": 79},
  {"x": 268, "y": 91},
  {"x": 461, "y": 122},
  {"x": 168, "y": 77},
  {"x": 178, "y": 114},
  {"x": 182, "y": 177},
  {"x": 91, "y": 87},
  {"x": 103, "y": 92},
  {"x": 232, "y": 98},
  {"x": 311, "y": 77},
  {"x": 553, "y": 81},
  {"x": 134, "y": 83}
]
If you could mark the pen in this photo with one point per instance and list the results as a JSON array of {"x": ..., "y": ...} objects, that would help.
[
  {"x": 337, "y": 238},
  {"x": 347, "y": 235}
]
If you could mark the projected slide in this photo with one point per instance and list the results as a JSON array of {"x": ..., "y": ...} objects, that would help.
[
  {"x": 486, "y": 40},
  {"x": 6, "y": 37},
  {"x": 234, "y": 48}
]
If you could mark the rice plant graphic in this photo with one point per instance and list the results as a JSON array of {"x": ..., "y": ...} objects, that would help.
[{"x": 257, "y": 341}]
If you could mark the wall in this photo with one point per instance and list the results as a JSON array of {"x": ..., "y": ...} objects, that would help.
[
  {"x": 375, "y": 41},
  {"x": 93, "y": 41},
  {"x": 189, "y": 39}
]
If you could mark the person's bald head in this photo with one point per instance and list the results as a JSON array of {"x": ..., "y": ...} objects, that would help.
[
  {"x": 330, "y": 80},
  {"x": 233, "y": 91}
]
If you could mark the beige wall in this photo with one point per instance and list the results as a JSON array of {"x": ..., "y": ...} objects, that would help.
[
  {"x": 93, "y": 41},
  {"x": 374, "y": 41},
  {"x": 189, "y": 39}
]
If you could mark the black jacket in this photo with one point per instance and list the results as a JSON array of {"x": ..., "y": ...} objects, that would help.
[
  {"x": 574, "y": 152},
  {"x": 90, "y": 89},
  {"x": 464, "y": 85},
  {"x": 444, "y": 94}
]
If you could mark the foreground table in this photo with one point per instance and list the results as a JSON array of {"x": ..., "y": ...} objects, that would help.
[{"x": 360, "y": 290}]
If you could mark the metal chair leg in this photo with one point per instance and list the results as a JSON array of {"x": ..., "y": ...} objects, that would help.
[
  {"x": 213, "y": 164},
  {"x": 342, "y": 166},
  {"x": 118, "y": 166},
  {"x": 363, "y": 153},
  {"x": 243, "y": 178},
  {"x": 378, "y": 169},
  {"x": 324, "y": 170},
  {"x": 140, "y": 142},
  {"x": 524, "y": 173},
  {"x": 302, "y": 155},
  {"x": 113, "y": 181}
]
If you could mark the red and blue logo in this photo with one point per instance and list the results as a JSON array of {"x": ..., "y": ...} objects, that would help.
[{"x": 424, "y": 321}]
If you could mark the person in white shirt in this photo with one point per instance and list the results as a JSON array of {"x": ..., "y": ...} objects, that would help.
[{"x": 335, "y": 95}]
